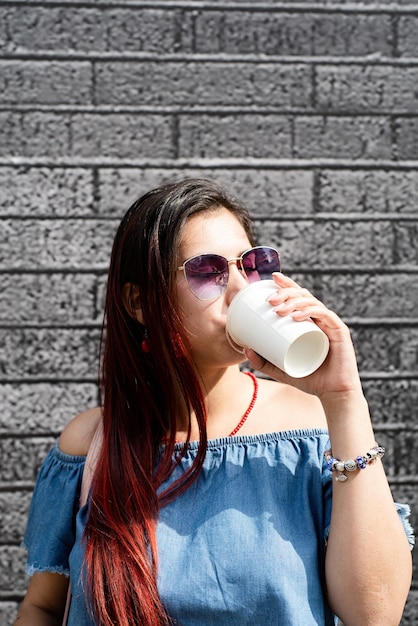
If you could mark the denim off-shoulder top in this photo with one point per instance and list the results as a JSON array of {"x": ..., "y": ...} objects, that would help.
[{"x": 244, "y": 545}]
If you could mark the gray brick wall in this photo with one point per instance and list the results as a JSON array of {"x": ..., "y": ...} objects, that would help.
[{"x": 308, "y": 110}]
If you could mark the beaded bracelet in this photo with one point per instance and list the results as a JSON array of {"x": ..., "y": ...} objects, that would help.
[{"x": 360, "y": 462}]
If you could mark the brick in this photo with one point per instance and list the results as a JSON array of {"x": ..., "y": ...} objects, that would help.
[
  {"x": 368, "y": 192},
  {"x": 363, "y": 88},
  {"x": 43, "y": 298},
  {"x": 406, "y": 242},
  {"x": 100, "y": 293},
  {"x": 45, "y": 82},
  {"x": 185, "y": 31},
  {"x": 43, "y": 408},
  {"x": 8, "y": 612},
  {"x": 401, "y": 452},
  {"x": 409, "y": 617},
  {"x": 407, "y": 138},
  {"x": 46, "y": 191},
  {"x": 229, "y": 136},
  {"x": 122, "y": 136},
  {"x": 378, "y": 244},
  {"x": 206, "y": 28},
  {"x": 407, "y": 36},
  {"x": 202, "y": 83},
  {"x": 13, "y": 579},
  {"x": 141, "y": 30},
  {"x": 55, "y": 28},
  {"x": 22, "y": 458},
  {"x": 293, "y": 34},
  {"x": 370, "y": 295},
  {"x": 342, "y": 137},
  {"x": 118, "y": 187},
  {"x": 382, "y": 350},
  {"x": 34, "y": 134},
  {"x": 271, "y": 193},
  {"x": 48, "y": 244},
  {"x": 3, "y": 34},
  {"x": 49, "y": 353},
  {"x": 14, "y": 508},
  {"x": 266, "y": 192},
  {"x": 89, "y": 29},
  {"x": 392, "y": 402},
  {"x": 407, "y": 494}
]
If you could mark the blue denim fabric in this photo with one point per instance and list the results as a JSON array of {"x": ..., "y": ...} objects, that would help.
[
  {"x": 242, "y": 546},
  {"x": 50, "y": 532}
]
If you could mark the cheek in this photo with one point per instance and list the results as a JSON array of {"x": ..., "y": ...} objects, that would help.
[
  {"x": 189, "y": 306},
  {"x": 199, "y": 316},
  {"x": 195, "y": 320},
  {"x": 186, "y": 303}
]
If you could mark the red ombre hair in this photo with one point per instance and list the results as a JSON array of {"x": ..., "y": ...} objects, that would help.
[{"x": 143, "y": 393}]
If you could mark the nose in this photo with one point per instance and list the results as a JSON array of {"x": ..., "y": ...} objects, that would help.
[{"x": 237, "y": 280}]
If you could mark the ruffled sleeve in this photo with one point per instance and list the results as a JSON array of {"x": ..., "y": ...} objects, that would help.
[
  {"x": 50, "y": 531},
  {"x": 404, "y": 512}
]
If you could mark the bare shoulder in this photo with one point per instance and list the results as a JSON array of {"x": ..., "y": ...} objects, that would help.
[
  {"x": 77, "y": 435},
  {"x": 289, "y": 408}
]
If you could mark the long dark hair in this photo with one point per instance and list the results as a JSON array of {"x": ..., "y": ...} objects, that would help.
[{"x": 143, "y": 394}]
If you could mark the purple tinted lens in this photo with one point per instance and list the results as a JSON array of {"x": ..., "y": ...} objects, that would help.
[
  {"x": 207, "y": 275},
  {"x": 259, "y": 263}
]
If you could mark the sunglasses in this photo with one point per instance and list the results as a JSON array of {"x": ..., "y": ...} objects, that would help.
[{"x": 207, "y": 274}]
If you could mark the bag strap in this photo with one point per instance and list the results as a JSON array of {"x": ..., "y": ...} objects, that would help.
[{"x": 89, "y": 467}]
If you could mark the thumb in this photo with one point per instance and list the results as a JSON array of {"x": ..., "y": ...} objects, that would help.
[{"x": 260, "y": 364}]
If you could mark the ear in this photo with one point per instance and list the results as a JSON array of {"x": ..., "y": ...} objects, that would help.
[{"x": 131, "y": 301}]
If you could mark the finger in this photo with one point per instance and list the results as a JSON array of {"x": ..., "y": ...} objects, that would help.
[
  {"x": 284, "y": 281},
  {"x": 288, "y": 289},
  {"x": 256, "y": 361},
  {"x": 287, "y": 293},
  {"x": 319, "y": 313},
  {"x": 300, "y": 303}
]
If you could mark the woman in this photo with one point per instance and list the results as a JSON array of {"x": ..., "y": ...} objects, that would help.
[{"x": 211, "y": 497}]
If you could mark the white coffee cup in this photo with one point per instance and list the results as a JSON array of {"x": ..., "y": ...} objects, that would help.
[{"x": 297, "y": 348}]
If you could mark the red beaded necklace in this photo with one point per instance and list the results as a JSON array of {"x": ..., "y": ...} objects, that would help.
[
  {"x": 247, "y": 412},
  {"x": 250, "y": 407}
]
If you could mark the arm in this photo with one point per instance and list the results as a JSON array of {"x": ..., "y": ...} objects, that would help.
[
  {"x": 45, "y": 600},
  {"x": 368, "y": 562},
  {"x": 365, "y": 534},
  {"x": 44, "y": 603}
]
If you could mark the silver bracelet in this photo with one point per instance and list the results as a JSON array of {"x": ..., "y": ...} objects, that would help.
[{"x": 351, "y": 465}]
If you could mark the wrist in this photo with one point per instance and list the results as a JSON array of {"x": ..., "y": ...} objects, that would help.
[
  {"x": 342, "y": 405},
  {"x": 344, "y": 468},
  {"x": 349, "y": 424}
]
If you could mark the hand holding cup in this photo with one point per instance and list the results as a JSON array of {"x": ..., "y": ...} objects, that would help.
[{"x": 297, "y": 348}]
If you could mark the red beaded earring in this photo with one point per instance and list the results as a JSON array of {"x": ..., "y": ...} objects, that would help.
[{"x": 145, "y": 347}]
